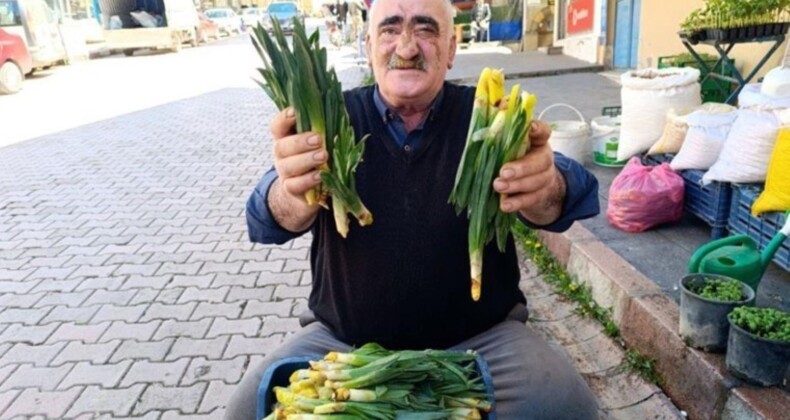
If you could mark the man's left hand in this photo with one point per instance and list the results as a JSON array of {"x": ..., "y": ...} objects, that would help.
[{"x": 534, "y": 187}]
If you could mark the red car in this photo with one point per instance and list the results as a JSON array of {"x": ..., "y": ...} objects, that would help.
[{"x": 15, "y": 62}]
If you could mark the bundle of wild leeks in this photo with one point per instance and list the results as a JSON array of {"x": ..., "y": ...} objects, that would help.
[
  {"x": 375, "y": 383},
  {"x": 497, "y": 135},
  {"x": 299, "y": 77}
]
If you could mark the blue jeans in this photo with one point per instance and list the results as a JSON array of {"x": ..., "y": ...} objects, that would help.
[{"x": 532, "y": 380}]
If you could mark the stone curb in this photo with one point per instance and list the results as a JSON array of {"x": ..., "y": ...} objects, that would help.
[{"x": 696, "y": 381}]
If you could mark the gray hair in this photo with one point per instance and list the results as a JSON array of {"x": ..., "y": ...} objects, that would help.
[{"x": 449, "y": 10}]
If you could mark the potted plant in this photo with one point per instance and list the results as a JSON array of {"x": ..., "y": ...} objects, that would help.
[
  {"x": 705, "y": 302},
  {"x": 759, "y": 345}
]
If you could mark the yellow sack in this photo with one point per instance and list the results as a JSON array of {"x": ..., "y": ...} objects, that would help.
[{"x": 776, "y": 196}]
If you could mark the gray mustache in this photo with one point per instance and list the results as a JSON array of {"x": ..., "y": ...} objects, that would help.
[{"x": 396, "y": 63}]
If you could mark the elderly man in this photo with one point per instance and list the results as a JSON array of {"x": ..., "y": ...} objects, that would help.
[{"x": 403, "y": 281}]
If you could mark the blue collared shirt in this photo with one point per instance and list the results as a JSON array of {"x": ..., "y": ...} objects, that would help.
[
  {"x": 396, "y": 127},
  {"x": 581, "y": 196}
]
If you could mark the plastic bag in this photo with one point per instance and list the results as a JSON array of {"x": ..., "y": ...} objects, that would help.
[{"x": 645, "y": 196}]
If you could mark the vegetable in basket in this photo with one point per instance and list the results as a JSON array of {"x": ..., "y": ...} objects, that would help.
[{"x": 374, "y": 383}]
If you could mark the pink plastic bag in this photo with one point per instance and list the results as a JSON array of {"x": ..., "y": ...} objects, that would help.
[{"x": 645, "y": 196}]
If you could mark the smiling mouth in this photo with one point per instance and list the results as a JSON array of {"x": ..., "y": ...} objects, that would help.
[{"x": 396, "y": 63}]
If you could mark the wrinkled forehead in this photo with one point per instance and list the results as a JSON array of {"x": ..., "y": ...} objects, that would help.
[{"x": 410, "y": 10}]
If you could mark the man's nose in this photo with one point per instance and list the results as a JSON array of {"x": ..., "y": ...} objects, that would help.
[{"x": 407, "y": 46}]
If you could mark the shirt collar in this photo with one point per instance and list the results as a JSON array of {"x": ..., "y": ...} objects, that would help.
[{"x": 389, "y": 115}]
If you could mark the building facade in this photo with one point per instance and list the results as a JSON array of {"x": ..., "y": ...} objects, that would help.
[{"x": 637, "y": 33}]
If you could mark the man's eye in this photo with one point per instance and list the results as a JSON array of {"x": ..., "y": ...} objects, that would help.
[{"x": 425, "y": 29}]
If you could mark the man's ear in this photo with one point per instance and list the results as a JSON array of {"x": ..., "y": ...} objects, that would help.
[
  {"x": 368, "y": 50},
  {"x": 451, "y": 54}
]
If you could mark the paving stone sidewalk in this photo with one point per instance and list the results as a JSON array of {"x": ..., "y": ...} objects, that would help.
[{"x": 128, "y": 287}]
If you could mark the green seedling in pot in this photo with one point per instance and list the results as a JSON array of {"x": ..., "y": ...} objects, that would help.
[
  {"x": 718, "y": 289},
  {"x": 763, "y": 322}
]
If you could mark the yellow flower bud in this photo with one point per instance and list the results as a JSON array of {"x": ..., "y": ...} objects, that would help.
[
  {"x": 529, "y": 100},
  {"x": 482, "y": 85},
  {"x": 496, "y": 86}
]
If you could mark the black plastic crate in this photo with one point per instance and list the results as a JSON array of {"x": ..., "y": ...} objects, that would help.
[
  {"x": 761, "y": 229},
  {"x": 711, "y": 202},
  {"x": 655, "y": 160}
]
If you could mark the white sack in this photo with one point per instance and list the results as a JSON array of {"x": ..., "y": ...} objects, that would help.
[
  {"x": 708, "y": 128},
  {"x": 646, "y": 97},
  {"x": 144, "y": 19},
  {"x": 747, "y": 150}
]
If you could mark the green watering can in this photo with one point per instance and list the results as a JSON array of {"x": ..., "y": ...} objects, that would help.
[{"x": 738, "y": 257}]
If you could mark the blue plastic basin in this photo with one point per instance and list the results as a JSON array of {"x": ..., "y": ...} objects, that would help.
[{"x": 279, "y": 372}]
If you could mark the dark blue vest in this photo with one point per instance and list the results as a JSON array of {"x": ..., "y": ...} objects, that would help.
[{"x": 404, "y": 280}]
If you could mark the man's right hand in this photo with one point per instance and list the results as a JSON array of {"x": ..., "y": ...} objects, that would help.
[{"x": 296, "y": 160}]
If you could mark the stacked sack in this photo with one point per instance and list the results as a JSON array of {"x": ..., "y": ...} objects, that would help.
[
  {"x": 646, "y": 96},
  {"x": 747, "y": 149},
  {"x": 707, "y": 129}
]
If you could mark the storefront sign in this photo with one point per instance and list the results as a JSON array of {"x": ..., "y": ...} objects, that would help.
[{"x": 580, "y": 16}]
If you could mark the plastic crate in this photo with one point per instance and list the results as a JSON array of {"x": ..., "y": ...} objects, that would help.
[
  {"x": 655, "y": 160},
  {"x": 709, "y": 89},
  {"x": 711, "y": 202},
  {"x": 279, "y": 372},
  {"x": 762, "y": 229}
]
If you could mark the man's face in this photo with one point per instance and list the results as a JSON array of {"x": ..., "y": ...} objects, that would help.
[{"x": 411, "y": 48}]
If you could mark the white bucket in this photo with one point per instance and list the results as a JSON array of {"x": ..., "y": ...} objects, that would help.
[
  {"x": 569, "y": 137},
  {"x": 605, "y": 140}
]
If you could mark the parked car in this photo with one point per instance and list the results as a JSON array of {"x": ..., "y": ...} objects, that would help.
[
  {"x": 15, "y": 62},
  {"x": 227, "y": 20},
  {"x": 251, "y": 16},
  {"x": 284, "y": 12},
  {"x": 207, "y": 29},
  {"x": 37, "y": 24}
]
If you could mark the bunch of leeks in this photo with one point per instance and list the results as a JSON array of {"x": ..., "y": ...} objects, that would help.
[
  {"x": 374, "y": 383},
  {"x": 497, "y": 135},
  {"x": 299, "y": 77}
]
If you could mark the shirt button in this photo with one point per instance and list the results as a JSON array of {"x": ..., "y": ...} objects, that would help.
[{"x": 407, "y": 148}]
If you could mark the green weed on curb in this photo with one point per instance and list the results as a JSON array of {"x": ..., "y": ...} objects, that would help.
[
  {"x": 553, "y": 274},
  {"x": 642, "y": 365}
]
